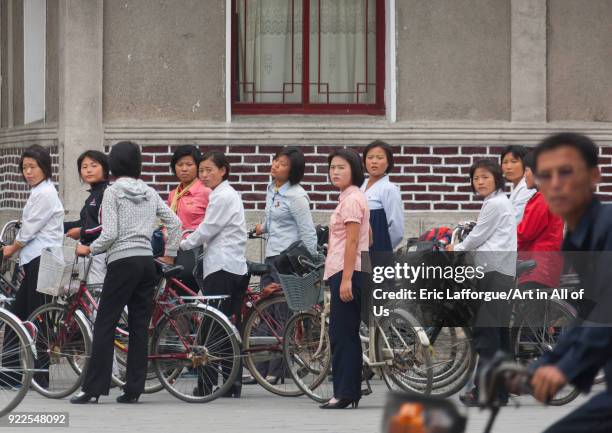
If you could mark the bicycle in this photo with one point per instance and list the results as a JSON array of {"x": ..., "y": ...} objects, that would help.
[
  {"x": 16, "y": 361},
  {"x": 396, "y": 346},
  {"x": 11, "y": 274}
]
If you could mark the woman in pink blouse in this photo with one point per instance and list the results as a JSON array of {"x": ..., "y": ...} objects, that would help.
[
  {"x": 349, "y": 231},
  {"x": 189, "y": 201}
]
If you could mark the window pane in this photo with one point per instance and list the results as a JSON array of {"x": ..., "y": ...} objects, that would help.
[
  {"x": 343, "y": 51},
  {"x": 269, "y": 51}
]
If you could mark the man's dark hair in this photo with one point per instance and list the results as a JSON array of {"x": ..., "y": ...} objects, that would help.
[
  {"x": 516, "y": 150},
  {"x": 181, "y": 152},
  {"x": 385, "y": 147},
  {"x": 583, "y": 144},
  {"x": 491, "y": 166},
  {"x": 41, "y": 156},
  {"x": 297, "y": 163},
  {"x": 97, "y": 156},
  {"x": 354, "y": 161},
  {"x": 125, "y": 160},
  {"x": 529, "y": 161},
  {"x": 219, "y": 159}
]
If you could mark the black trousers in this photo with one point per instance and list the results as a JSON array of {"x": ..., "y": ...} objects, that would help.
[
  {"x": 344, "y": 321},
  {"x": 594, "y": 417},
  {"x": 27, "y": 299},
  {"x": 130, "y": 282},
  {"x": 491, "y": 332},
  {"x": 224, "y": 283}
]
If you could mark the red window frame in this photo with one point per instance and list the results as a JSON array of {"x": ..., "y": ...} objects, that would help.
[{"x": 306, "y": 107}]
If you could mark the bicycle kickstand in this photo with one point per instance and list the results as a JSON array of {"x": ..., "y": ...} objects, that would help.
[{"x": 366, "y": 377}]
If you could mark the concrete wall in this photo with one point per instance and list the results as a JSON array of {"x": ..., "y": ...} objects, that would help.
[
  {"x": 580, "y": 60},
  {"x": 52, "y": 57},
  {"x": 17, "y": 62},
  {"x": 453, "y": 59},
  {"x": 164, "y": 60},
  {"x": 4, "y": 65}
]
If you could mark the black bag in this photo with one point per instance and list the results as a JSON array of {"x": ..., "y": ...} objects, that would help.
[
  {"x": 289, "y": 261},
  {"x": 157, "y": 243}
]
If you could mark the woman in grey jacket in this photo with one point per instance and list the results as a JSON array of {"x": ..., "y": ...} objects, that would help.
[{"x": 130, "y": 210}]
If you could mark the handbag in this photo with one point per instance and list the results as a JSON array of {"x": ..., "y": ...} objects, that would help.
[{"x": 290, "y": 260}]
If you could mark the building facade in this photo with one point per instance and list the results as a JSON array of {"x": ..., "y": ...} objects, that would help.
[{"x": 444, "y": 81}]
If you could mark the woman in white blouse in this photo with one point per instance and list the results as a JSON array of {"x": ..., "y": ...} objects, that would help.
[
  {"x": 384, "y": 198},
  {"x": 42, "y": 226},
  {"x": 223, "y": 235},
  {"x": 494, "y": 240},
  {"x": 513, "y": 167}
]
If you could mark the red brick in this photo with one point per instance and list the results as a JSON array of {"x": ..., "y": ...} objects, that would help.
[
  {"x": 254, "y": 159},
  {"x": 417, "y": 206},
  {"x": 240, "y": 168},
  {"x": 457, "y": 160},
  {"x": 268, "y": 149},
  {"x": 155, "y": 149},
  {"x": 407, "y": 197},
  {"x": 430, "y": 179},
  {"x": 416, "y": 150},
  {"x": 317, "y": 197},
  {"x": 445, "y": 170},
  {"x": 457, "y": 179},
  {"x": 249, "y": 206},
  {"x": 428, "y": 160},
  {"x": 416, "y": 169},
  {"x": 243, "y": 186},
  {"x": 402, "y": 159},
  {"x": 169, "y": 178},
  {"x": 163, "y": 159},
  {"x": 254, "y": 197},
  {"x": 457, "y": 197},
  {"x": 326, "y": 150},
  {"x": 496, "y": 150},
  {"x": 156, "y": 168},
  {"x": 471, "y": 206},
  {"x": 254, "y": 178},
  {"x": 316, "y": 159},
  {"x": 603, "y": 160},
  {"x": 315, "y": 178},
  {"x": 440, "y": 188},
  {"x": 402, "y": 178},
  {"x": 606, "y": 179},
  {"x": 470, "y": 150},
  {"x": 322, "y": 169},
  {"x": 607, "y": 150},
  {"x": 606, "y": 198},
  {"x": 147, "y": 158},
  {"x": 464, "y": 188},
  {"x": 606, "y": 170},
  {"x": 234, "y": 159},
  {"x": 427, "y": 197},
  {"x": 446, "y": 150},
  {"x": 446, "y": 206},
  {"x": 241, "y": 149},
  {"x": 412, "y": 187},
  {"x": 325, "y": 206}
]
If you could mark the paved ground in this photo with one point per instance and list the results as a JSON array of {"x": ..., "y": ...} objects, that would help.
[{"x": 262, "y": 412}]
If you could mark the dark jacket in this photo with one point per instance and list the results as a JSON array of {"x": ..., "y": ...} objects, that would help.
[
  {"x": 90, "y": 223},
  {"x": 584, "y": 349}
]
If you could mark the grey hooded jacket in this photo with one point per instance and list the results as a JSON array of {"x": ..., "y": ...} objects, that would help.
[{"x": 130, "y": 209}]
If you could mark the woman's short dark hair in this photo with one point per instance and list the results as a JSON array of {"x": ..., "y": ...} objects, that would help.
[
  {"x": 529, "y": 161},
  {"x": 352, "y": 157},
  {"x": 219, "y": 159},
  {"x": 125, "y": 160},
  {"x": 297, "y": 163},
  {"x": 181, "y": 152},
  {"x": 41, "y": 156},
  {"x": 583, "y": 144},
  {"x": 492, "y": 167},
  {"x": 519, "y": 152},
  {"x": 385, "y": 147},
  {"x": 97, "y": 156}
]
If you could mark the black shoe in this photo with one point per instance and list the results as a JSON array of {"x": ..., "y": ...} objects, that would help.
[
  {"x": 84, "y": 398},
  {"x": 343, "y": 403},
  {"x": 470, "y": 398},
  {"x": 273, "y": 380},
  {"x": 234, "y": 391},
  {"x": 127, "y": 397}
]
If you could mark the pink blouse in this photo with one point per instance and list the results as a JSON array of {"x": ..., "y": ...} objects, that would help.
[
  {"x": 352, "y": 207},
  {"x": 192, "y": 206}
]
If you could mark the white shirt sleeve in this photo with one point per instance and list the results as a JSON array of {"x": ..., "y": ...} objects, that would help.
[
  {"x": 484, "y": 228},
  {"x": 37, "y": 213},
  {"x": 394, "y": 209},
  {"x": 221, "y": 209}
]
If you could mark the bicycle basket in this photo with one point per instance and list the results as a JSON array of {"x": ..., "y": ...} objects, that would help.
[
  {"x": 302, "y": 292},
  {"x": 58, "y": 268}
]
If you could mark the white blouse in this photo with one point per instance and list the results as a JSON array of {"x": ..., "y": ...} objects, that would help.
[
  {"x": 519, "y": 197},
  {"x": 222, "y": 233},
  {"x": 386, "y": 195},
  {"x": 42, "y": 222}
]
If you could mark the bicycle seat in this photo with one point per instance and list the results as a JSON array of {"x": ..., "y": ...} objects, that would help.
[
  {"x": 172, "y": 271},
  {"x": 258, "y": 269},
  {"x": 524, "y": 266}
]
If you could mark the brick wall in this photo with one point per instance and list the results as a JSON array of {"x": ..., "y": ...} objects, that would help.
[
  {"x": 14, "y": 191},
  {"x": 430, "y": 178}
]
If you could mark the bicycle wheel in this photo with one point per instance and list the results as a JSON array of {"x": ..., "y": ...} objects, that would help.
[
  {"x": 63, "y": 345},
  {"x": 409, "y": 363},
  {"x": 536, "y": 329},
  {"x": 453, "y": 359},
  {"x": 263, "y": 334},
  {"x": 16, "y": 362},
  {"x": 195, "y": 347},
  {"x": 307, "y": 354},
  {"x": 122, "y": 336}
]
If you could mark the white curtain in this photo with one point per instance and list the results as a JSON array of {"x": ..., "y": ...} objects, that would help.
[
  {"x": 343, "y": 51},
  {"x": 266, "y": 52}
]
